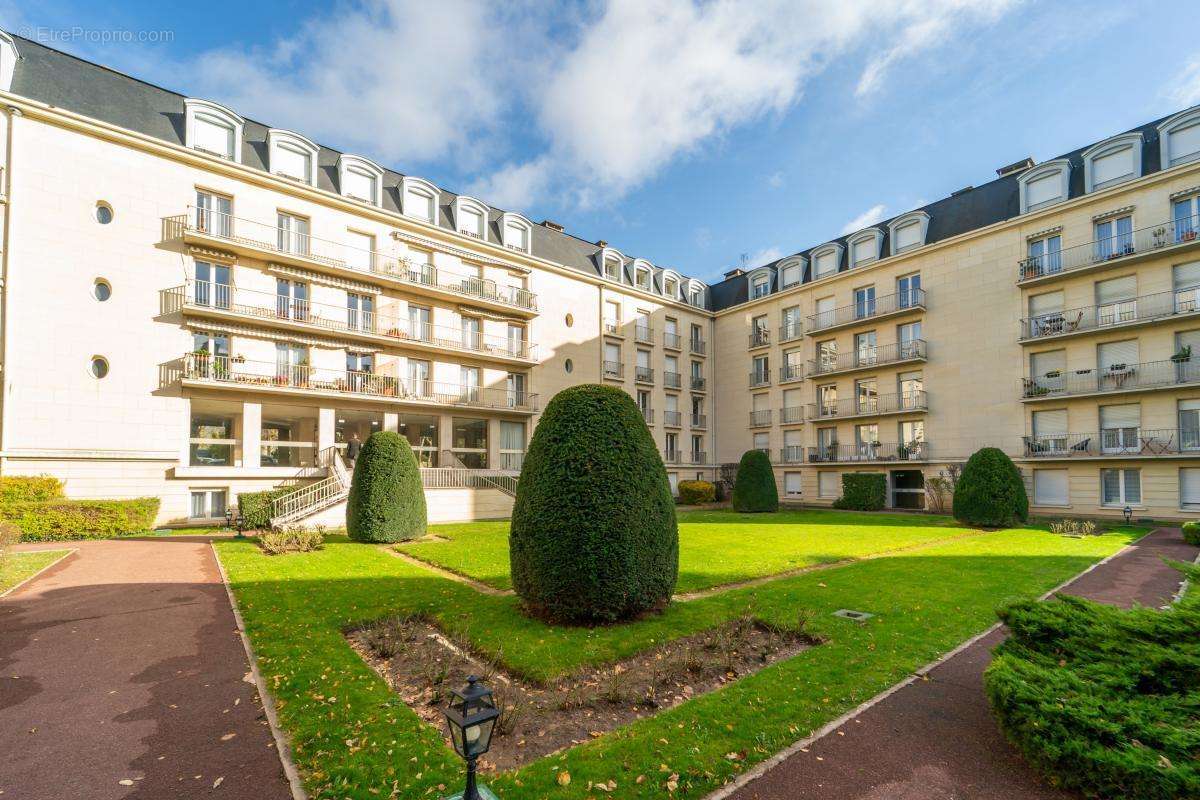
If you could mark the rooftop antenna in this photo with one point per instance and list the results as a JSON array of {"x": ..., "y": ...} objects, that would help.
[{"x": 745, "y": 260}]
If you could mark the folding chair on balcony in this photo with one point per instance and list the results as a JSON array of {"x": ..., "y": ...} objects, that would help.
[{"x": 1081, "y": 447}]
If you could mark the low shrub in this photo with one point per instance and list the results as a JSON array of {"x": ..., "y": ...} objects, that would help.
[
  {"x": 1103, "y": 700},
  {"x": 1073, "y": 527},
  {"x": 862, "y": 491},
  {"x": 255, "y": 507},
  {"x": 754, "y": 488},
  {"x": 29, "y": 489},
  {"x": 990, "y": 491},
  {"x": 55, "y": 520},
  {"x": 9, "y": 535},
  {"x": 292, "y": 540},
  {"x": 696, "y": 492},
  {"x": 1191, "y": 533}
]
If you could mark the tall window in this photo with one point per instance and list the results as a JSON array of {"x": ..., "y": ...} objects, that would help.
[
  {"x": 469, "y": 443},
  {"x": 865, "y": 351},
  {"x": 1045, "y": 255},
  {"x": 359, "y": 368},
  {"x": 514, "y": 384},
  {"x": 212, "y": 285},
  {"x": 360, "y": 251},
  {"x": 1114, "y": 237},
  {"x": 212, "y": 441},
  {"x": 208, "y": 503},
  {"x": 864, "y": 302},
  {"x": 214, "y": 214},
  {"x": 908, "y": 291},
  {"x": 291, "y": 299},
  {"x": 512, "y": 444},
  {"x": 866, "y": 393},
  {"x": 472, "y": 333},
  {"x": 1186, "y": 214},
  {"x": 291, "y": 364},
  {"x": 293, "y": 233},
  {"x": 210, "y": 355},
  {"x": 419, "y": 373},
  {"x": 468, "y": 381},
  {"x": 360, "y": 311},
  {"x": 1120, "y": 487},
  {"x": 761, "y": 286}
]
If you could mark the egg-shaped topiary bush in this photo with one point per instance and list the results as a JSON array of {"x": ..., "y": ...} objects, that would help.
[
  {"x": 990, "y": 491},
  {"x": 387, "y": 501},
  {"x": 754, "y": 488}
]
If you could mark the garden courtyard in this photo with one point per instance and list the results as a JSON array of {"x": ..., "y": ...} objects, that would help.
[{"x": 652, "y": 707}]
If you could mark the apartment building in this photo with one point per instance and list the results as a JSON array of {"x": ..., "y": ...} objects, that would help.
[{"x": 196, "y": 305}]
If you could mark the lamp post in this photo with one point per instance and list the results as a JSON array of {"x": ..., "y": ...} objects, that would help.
[
  {"x": 1128, "y": 512},
  {"x": 471, "y": 717},
  {"x": 234, "y": 519}
]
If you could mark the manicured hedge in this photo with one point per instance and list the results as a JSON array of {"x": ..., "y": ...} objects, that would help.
[
  {"x": 1191, "y": 533},
  {"x": 81, "y": 519},
  {"x": 990, "y": 491},
  {"x": 754, "y": 487},
  {"x": 387, "y": 500},
  {"x": 29, "y": 489},
  {"x": 255, "y": 507},
  {"x": 593, "y": 537},
  {"x": 695, "y": 492},
  {"x": 1105, "y": 701},
  {"x": 863, "y": 491}
]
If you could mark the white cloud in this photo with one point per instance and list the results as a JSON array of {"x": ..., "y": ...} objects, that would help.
[
  {"x": 872, "y": 214},
  {"x": 764, "y": 256},
  {"x": 775, "y": 180},
  {"x": 1185, "y": 90}
]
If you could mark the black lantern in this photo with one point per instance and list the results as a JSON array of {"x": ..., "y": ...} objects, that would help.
[
  {"x": 234, "y": 520},
  {"x": 471, "y": 717},
  {"x": 1128, "y": 512}
]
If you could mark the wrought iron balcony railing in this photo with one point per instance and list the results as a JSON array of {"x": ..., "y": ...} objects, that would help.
[
  {"x": 789, "y": 373},
  {"x": 870, "y": 406},
  {"x": 643, "y": 374},
  {"x": 789, "y": 415},
  {"x": 868, "y": 451},
  {"x": 1178, "y": 233},
  {"x": 1115, "y": 378},
  {"x": 698, "y": 346},
  {"x": 648, "y": 415},
  {"x": 643, "y": 334},
  {"x": 789, "y": 331},
  {"x": 760, "y": 419},
  {"x": 698, "y": 384},
  {"x": 699, "y": 420},
  {"x": 673, "y": 419},
  {"x": 760, "y": 378},
  {"x": 613, "y": 369},
  {"x": 671, "y": 456},
  {"x": 1146, "y": 308},
  {"x": 672, "y": 341},
  {"x": 867, "y": 309},
  {"x": 672, "y": 380},
  {"x": 1117, "y": 442},
  {"x": 791, "y": 454},
  {"x": 867, "y": 358},
  {"x": 760, "y": 337}
]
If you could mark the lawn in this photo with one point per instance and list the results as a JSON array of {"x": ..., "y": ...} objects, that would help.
[
  {"x": 16, "y": 567},
  {"x": 715, "y": 547},
  {"x": 353, "y": 738}
]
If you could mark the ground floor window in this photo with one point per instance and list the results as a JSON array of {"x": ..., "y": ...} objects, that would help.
[
  {"x": 791, "y": 484},
  {"x": 208, "y": 503},
  {"x": 673, "y": 479},
  {"x": 470, "y": 442},
  {"x": 422, "y": 435},
  {"x": 1050, "y": 487},
  {"x": 829, "y": 484},
  {"x": 908, "y": 488},
  {"x": 1120, "y": 487},
  {"x": 212, "y": 441},
  {"x": 512, "y": 444},
  {"x": 1189, "y": 488}
]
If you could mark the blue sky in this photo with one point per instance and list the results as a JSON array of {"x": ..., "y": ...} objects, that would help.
[{"x": 685, "y": 133}]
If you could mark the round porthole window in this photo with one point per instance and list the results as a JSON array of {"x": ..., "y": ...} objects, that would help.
[
  {"x": 570, "y": 320},
  {"x": 104, "y": 213},
  {"x": 102, "y": 290},
  {"x": 568, "y": 365},
  {"x": 99, "y": 366}
]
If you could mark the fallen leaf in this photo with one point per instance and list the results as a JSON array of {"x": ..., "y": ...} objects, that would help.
[
  {"x": 218, "y": 781},
  {"x": 563, "y": 778},
  {"x": 228, "y": 736}
]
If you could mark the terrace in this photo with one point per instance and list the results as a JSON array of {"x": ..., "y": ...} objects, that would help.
[
  {"x": 866, "y": 310},
  {"x": 1115, "y": 379},
  {"x": 1114, "y": 443},
  {"x": 869, "y": 358},
  {"x": 870, "y": 406},
  {"x": 1119, "y": 250}
]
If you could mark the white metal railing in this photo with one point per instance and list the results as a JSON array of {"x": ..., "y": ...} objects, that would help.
[
  {"x": 462, "y": 478},
  {"x": 300, "y": 243},
  {"x": 308, "y": 499},
  {"x": 1143, "y": 308}
]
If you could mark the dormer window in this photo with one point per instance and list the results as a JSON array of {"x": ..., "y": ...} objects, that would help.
[
  {"x": 1179, "y": 138},
  {"x": 642, "y": 272},
  {"x": 1044, "y": 185},
  {"x": 865, "y": 246},
  {"x": 760, "y": 283},
  {"x": 908, "y": 231},
  {"x": 212, "y": 129},
  {"x": 360, "y": 178},
  {"x": 696, "y": 293},
  {"x": 1113, "y": 161},
  {"x": 418, "y": 198},
  {"x": 516, "y": 231},
  {"x": 292, "y": 156},
  {"x": 8, "y": 61},
  {"x": 470, "y": 217},
  {"x": 826, "y": 259},
  {"x": 791, "y": 272},
  {"x": 670, "y": 284}
]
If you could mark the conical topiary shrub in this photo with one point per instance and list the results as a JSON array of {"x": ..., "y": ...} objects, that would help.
[
  {"x": 387, "y": 501},
  {"x": 594, "y": 537},
  {"x": 754, "y": 487},
  {"x": 990, "y": 491}
]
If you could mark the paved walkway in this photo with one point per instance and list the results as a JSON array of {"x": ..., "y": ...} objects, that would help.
[
  {"x": 936, "y": 739},
  {"x": 122, "y": 675}
]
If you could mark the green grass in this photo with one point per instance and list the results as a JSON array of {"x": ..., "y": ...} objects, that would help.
[
  {"x": 353, "y": 738},
  {"x": 715, "y": 547},
  {"x": 16, "y": 567}
]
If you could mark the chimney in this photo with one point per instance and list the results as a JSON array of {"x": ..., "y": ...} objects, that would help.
[
  {"x": 963, "y": 190},
  {"x": 601, "y": 243},
  {"x": 736, "y": 271},
  {"x": 1017, "y": 166},
  {"x": 552, "y": 225}
]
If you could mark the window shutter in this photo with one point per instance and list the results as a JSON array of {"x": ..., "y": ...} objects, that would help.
[
  {"x": 826, "y": 263},
  {"x": 760, "y": 402},
  {"x": 828, "y": 484},
  {"x": 1050, "y": 423},
  {"x": 908, "y": 235},
  {"x": 214, "y": 137},
  {"x": 793, "y": 438},
  {"x": 1116, "y": 290},
  {"x": 1042, "y": 304},
  {"x": 1125, "y": 352},
  {"x": 1186, "y": 275},
  {"x": 1123, "y": 416},
  {"x": 792, "y": 398},
  {"x": 471, "y": 222},
  {"x": 1050, "y": 487},
  {"x": 1189, "y": 487},
  {"x": 1112, "y": 166},
  {"x": 1041, "y": 363},
  {"x": 1184, "y": 143},
  {"x": 1188, "y": 339},
  {"x": 824, "y": 305},
  {"x": 291, "y": 162},
  {"x": 1044, "y": 189},
  {"x": 791, "y": 483}
]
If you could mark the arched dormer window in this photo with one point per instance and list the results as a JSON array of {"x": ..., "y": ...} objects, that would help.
[
  {"x": 791, "y": 271},
  {"x": 516, "y": 231},
  {"x": 670, "y": 284},
  {"x": 695, "y": 293},
  {"x": 760, "y": 282},
  {"x": 643, "y": 274},
  {"x": 212, "y": 129},
  {"x": 1044, "y": 185},
  {"x": 1179, "y": 138},
  {"x": 470, "y": 217},
  {"x": 418, "y": 198},
  {"x": 1112, "y": 161},
  {"x": 8, "y": 61},
  {"x": 826, "y": 259},
  {"x": 865, "y": 246},
  {"x": 360, "y": 178},
  {"x": 292, "y": 156},
  {"x": 610, "y": 261},
  {"x": 908, "y": 231}
]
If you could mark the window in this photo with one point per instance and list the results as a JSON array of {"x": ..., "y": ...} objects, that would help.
[
  {"x": 208, "y": 503},
  {"x": 1117, "y": 357},
  {"x": 291, "y": 364},
  {"x": 1050, "y": 487},
  {"x": 827, "y": 352},
  {"x": 1120, "y": 487},
  {"x": 612, "y": 261},
  {"x": 1045, "y": 314},
  {"x": 642, "y": 275},
  {"x": 791, "y": 272},
  {"x": 910, "y": 385},
  {"x": 866, "y": 439},
  {"x": 612, "y": 360},
  {"x": 759, "y": 331},
  {"x": 1119, "y": 428},
  {"x": 673, "y": 481},
  {"x": 212, "y": 129},
  {"x": 612, "y": 316},
  {"x": 212, "y": 441},
  {"x": 829, "y": 484},
  {"x": 99, "y": 367},
  {"x": 912, "y": 432},
  {"x": 360, "y": 311},
  {"x": 469, "y": 442},
  {"x": 468, "y": 384},
  {"x": 793, "y": 365},
  {"x": 418, "y": 198},
  {"x": 360, "y": 178},
  {"x": 1189, "y": 424},
  {"x": 1114, "y": 237},
  {"x": 420, "y": 322},
  {"x": 864, "y": 302},
  {"x": 761, "y": 372},
  {"x": 1045, "y": 256},
  {"x": 910, "y": 338},
  {"x": 641, "y": 327},
  {"x": 291, "y": 299},
  {"x": 866, "y": 395},
  {"x": 1113, "y": 161},
  {"x": 512, "y": 444},
  {"x": 360, "y": 251},
  {"x": 1046, "y": 369},
  {"x": 1116, "y": 300},
  {"x": 359, "y": 368},
  {"x": 827, "y": 400},
  {"x": 104, "y": 213},
  {"x": 762, "y": 441},
  {"x": 1189, "y": 488},
  {"x": 865, "y": 349},
  {"x": 516, "y": 232},
  {"x": 470, "y": 216},
  {"x": 514, "y": 384},
  {"x": 826, "y": 258},
  {"x": 908, "y": 291},
  {"x": 292, "y": 156},
  {"x": 671, "y": 286},
  {"x": 1049, "y": 432},
  {"x": 908, "y": 231},
  {"x": 760, "y": 285},
  {"x": 1179, "y": 138},
  {"x": 101, "y": 290},
  {"x": 517, "y": 345},
  {"x": 1186, "y": 218},
  {"x": 293, "y": 235},
  {"x": 792, "y": 484},
  {"x": 865, "y": 246},
  {"x": 790, "y": 327},
  {"x": 472, "y": 332},
  {"x": 825, "y": 314},
  {"x": 1044, "y": 185},
  {"x": 418, "y": 377},
  {"x": 214, "y": 214}
]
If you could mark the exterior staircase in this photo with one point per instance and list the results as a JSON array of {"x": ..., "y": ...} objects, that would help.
[{"x": 316, "y": 497}]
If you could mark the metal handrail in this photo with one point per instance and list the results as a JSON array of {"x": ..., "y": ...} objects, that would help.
[
  {"x": 912, "y": 299},
  {"x": 672, "y": 341},
  {"x": 1116, "y": 378},
  {"x": 1142, "y": 308},
  {"x": 1132, "y": 441},
  {"x": 790, "y": 372},
  {"x": 673, "y": 419},
  {"x": 788, "y": 332},
  {"x": 672, "y": 380},
  {"x": 791, "y": 454},
  {"x": 869, "y": 451},
  {"x": 643, "y": 374},
  {"x": 760, "y": 378},
  {"x": 614, "y": 369},
  {"x": 698, "y": 346},
  {"x": 760, "y": 337},
  {"x": 643, "y": 334},
  {"x": 761, "y": 418},
  {"x": 791, "y": 414},
  {"x": 866, "y": 406},
  {"x": 879, "y": 355},
  {"x": 699, "y": 421},
  {"x": 1165, "y": 235}
]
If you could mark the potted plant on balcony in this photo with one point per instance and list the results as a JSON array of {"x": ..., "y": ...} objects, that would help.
[
  {"x": 239, "y": 359},
  {"x": 1184, "y": 355},
  {"x": 1160, "y": 237}
]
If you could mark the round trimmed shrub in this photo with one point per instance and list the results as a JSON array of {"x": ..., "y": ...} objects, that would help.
[
  {"x": 387, "y": 501},
  {"x": 990, "y": 491},
  {"x": 1191, "y": 533},
  {"x": 754, "y": 487},
  {"x": 594, "y": 537},
  {"x": 693, "y": 493}
]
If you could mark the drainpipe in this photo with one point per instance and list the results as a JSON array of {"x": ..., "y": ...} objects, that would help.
[{"x": 5, "y": 248}]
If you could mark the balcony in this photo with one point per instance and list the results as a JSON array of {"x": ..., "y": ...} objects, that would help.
[
  {"x": 207, "y": 228},
  {"x": 792, "y": 454},
  {"x": 889, "y": 305},
  {"x": 698, "y": 457},
  {"x": 760, "y": 419},
  {"x": 227, "y": 302},
  {"x": 614, "y": 369},
  {"x": 1114, "y": 443},
  {"x": 643, "y": 334},
  {"x": 223, "y": 371},
  {"x": 699, "y": 421},
  {"x": 1122, "y": 249},
  {"x": 790, "y": 373},
  {"x": 698, "y": 347},
  {"x": 673, "y": 419},
  {"x": 672, "y": 341},
  {"x": 672, "y": 380},
  {"x": 760, "y": 378},
  {"x": 791, "y": 415},
  {"x": 612, "y": 328},
  {"x": 1118, "y": 378},
  {"x": 876, "y": 452},
  {"x": 760, "y": 337},
  {"x": 643, "y": 375},
  {"x": 790, "y": 331},
  {"x": 671, "y": 456},
  {"x": 873, "y": 406},
  {"x": 1143, "y": 310},
  {"x": 698, "y": 384},
  {"x": 648, "y": 415},
  {"x": 869, "y": 358}
]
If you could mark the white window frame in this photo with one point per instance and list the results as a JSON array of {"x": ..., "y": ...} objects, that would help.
[
  {"x": 696, "y": 291},
  {"x": 510, "y": 222},
  {"x": 759, "y": 278},
  {"x": 1123, "y": 500},
  {"x": 363, "y": 167},
  {"x": 874, "y": 237},
  {"x": 208, "y": 493},
  {"x": 411, "y": 184},
  {"x": 919, "y": 218},
  {"x": 278, "y": 139},
  {"x": 796, "y": 263},
  {"x": 463, "y": 203},
  {"x": 817, "y": 253},
  {"x": 643, "y": 269},
  {"x": 609, "y": 255},
  {"x": 1109, "y": 147},
  {"x": 1181, "y": 121},
  {"x": 1060, "y": 167},
  {"x": 207, "y": 111}
]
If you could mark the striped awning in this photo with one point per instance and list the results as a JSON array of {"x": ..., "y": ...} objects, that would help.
[
  {"x": 280, "y": 336},
  {"x": 321, "y": 279}
]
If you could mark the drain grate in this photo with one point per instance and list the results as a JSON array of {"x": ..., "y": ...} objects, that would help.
[{"x": 857, "y": 616}]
